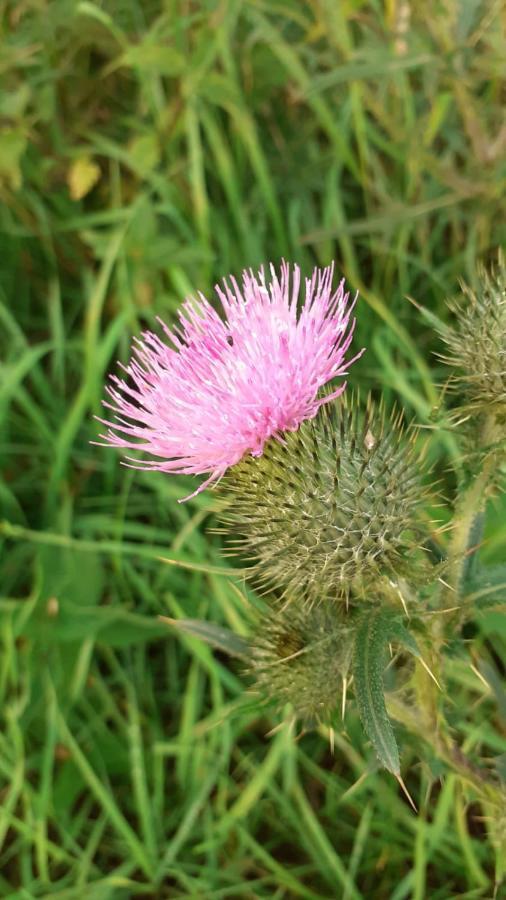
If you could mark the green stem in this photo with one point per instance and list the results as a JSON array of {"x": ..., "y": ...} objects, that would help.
[
  {"x": 469, "y": 505},
  {"x": 446, "y": 749}
]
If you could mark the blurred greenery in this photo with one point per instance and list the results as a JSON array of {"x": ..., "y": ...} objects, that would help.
[{"x": 147, "y": 149}]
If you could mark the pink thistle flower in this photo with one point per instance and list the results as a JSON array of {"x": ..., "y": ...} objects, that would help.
[{"x": 222, "y": 386}]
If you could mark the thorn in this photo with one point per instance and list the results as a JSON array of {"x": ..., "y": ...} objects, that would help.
[
  {"x": 438, "y": 612},
  {"x": 241, "y": 595},
  {"x": 275, "y": 730},
  {"x": 343, "y": 700},
  {"x": 405, "y": 608},
  {"x": 369, "y": 440},
  {"x": 424, "y": 664},
  {"x": 354, "y": 786},
  {"x": 472, "y": 550},
  {"x": 285, "y": 605},
  {"x": 406, "y": 792},
  {"x": 445, "y": 583},
  {"x": 444, "y": 528},
  {"x": 480, "y": 676},
  {"x": 461, "y": 421}
]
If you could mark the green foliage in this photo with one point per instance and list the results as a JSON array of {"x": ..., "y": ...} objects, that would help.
[
  {"x": 332, "y": 511},
  {"x": 147, "y": 149},
  {"x": 374, "y": 633},
  {"x": 220, "y": 638},
  {"x": 486, "y": 587},
  {"x": 369, "y": 661}
]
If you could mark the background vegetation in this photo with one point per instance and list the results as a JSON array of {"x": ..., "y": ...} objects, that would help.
[{"x": 146, "y": 149}]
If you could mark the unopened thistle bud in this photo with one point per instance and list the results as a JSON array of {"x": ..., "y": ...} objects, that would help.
[
  {"x": 331, "y": 511},
  {"x": 300, "y": 657},
  {"x": 477, "y": 343}
]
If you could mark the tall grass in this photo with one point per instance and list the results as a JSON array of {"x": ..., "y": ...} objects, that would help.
[{"x": 147, "y": 149}]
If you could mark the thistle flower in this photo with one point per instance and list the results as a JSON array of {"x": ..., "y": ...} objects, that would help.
[
  {"x": 220, "y": 387},
  {"x": 300, "y": 656},
  {"x": 477, "y": 343},
  {"x": 332, "y": 511}
]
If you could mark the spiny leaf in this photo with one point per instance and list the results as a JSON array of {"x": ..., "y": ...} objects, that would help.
[
  {"x": 369, "y": 653},
  {"x": 474, "y": 540},
  {"x": 396, "y": 631},
  {"x": 215, "y": 635},
  {"x": 487, "y": 587},
  {"x": 495, "y": 682}
]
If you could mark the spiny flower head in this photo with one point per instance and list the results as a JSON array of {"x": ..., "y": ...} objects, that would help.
[
  {"x": 331, "y": 512},
  {"x": 300, "y": 656},
  {"x": 219, "y": 387},
  {"x": 477, "y": 343}
]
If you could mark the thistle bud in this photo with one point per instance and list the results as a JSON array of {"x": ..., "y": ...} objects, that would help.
[
  {"x": 331, "y": 510},
  {"x": 300, "y": 657},
  {"x": 477, "y": 343}
]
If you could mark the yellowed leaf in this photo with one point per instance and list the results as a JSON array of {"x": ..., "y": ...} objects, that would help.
[{"x": 82, "y": 176}]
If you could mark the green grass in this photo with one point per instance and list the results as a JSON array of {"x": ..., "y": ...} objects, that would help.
[{"x": 219, "y": 135}]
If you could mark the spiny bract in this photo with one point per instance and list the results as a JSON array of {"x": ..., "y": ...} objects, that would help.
[
  {"x": 477, "y": 343},
  {"x": 300, "y": 656},
  {"x": 331, "y": 511}
]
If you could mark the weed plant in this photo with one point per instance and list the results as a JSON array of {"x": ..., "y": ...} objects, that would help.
[{"x": 146, "y": 149}]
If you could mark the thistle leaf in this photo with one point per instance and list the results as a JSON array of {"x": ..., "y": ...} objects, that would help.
[
  {"x": 487, "y": 587},
  {"x": 396, "y": 631},
  {"x": 475, "y": 538},
  {"x": 215, "y": 635},
  {"x": 369, "y": 653}
]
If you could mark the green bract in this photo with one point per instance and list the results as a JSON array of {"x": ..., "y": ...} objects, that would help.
[
  {"x": 477, "y": 343},
  {"x": 300, "y": 657},
  {"x": 332, "y": 508}
]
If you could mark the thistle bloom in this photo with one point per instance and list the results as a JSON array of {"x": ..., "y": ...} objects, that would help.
[{"x": 221, "y": 386}]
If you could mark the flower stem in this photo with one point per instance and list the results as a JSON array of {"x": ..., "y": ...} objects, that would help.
[
  {"x": 446, "y": 749},
  {"x": 470, "y": 505}
]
